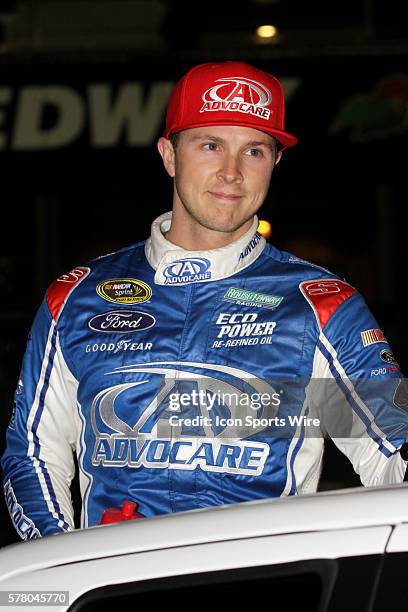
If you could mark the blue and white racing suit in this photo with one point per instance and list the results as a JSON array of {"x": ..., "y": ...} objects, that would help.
[{"x": 183, "y": 380}]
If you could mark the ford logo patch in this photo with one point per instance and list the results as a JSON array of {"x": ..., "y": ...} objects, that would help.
[{"x": 122, "y": 321}]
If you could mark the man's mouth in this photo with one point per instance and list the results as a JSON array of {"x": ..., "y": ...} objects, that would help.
[{"x": 230, "y": 197}]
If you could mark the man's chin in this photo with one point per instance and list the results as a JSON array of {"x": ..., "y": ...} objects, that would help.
[
  {"x": 225, "y": 226},
  {"x": 221, "y": 219}
]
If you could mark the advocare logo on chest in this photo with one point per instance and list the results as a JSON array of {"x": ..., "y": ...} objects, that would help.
[{"x": 191, "y": 270}]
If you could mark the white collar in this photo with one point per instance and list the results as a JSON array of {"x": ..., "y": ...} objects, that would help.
[{"x": 177, "y": 266}]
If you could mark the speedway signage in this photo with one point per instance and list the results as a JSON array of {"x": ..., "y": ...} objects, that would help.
[
  {"x": 99, "y": 115},
  {"x": 104, "y": 112}
]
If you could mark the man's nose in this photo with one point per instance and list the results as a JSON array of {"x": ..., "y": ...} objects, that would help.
[{"x": 230, "y": 169}]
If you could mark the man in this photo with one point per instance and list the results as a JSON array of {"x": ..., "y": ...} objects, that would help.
[{"x": 202, "y": 367}]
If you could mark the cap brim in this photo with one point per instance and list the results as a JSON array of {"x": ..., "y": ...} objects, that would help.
[{"x": 284, "y": 138}]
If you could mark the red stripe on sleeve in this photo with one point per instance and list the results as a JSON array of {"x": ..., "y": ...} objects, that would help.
[
  {"x": 61, "y": 288},
  {"x": 325, "y": 296}
]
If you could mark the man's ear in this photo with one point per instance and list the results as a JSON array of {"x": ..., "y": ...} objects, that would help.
[
  {"x": 278, "y": 157},
  {"x": 168, "y": 156}
]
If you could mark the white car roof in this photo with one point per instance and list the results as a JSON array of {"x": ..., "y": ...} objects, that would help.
[{"x": 345, "y": 509}]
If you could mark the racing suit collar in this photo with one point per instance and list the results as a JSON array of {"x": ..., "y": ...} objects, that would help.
[{"x": 177, "y": 266}]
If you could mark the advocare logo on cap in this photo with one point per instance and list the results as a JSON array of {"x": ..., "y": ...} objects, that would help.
[{"x": 238, "y": 94}]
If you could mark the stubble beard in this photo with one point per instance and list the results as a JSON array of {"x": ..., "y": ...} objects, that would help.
[{"x": 215, "y": 225}]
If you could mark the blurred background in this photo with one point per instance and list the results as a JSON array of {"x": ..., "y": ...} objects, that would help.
[{"x": 83, "y": 90}]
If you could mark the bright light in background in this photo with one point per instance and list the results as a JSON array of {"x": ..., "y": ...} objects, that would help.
[
  {"x": 266, "y": 31},
  {"x": 265, "y": 229}
]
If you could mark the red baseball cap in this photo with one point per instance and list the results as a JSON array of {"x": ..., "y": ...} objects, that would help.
[{"x": 228, "y": 93}]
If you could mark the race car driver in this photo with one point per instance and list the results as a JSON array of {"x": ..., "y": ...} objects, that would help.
[{"x": 203, "y": 366}]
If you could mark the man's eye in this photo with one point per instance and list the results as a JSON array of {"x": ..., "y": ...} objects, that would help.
[
  {"x": 254, "y": 152},
  {"x": 210, "y": 146}
]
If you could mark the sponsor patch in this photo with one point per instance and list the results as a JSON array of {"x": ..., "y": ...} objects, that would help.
[
  {"x": 132, "y": 432},
  {"x": 24, "y": 525},
  {"x": 242, "y": 329},
  {"x": 60, "y": 290},
  {"x": 238, "y": 94},
  {"x": 117, "y": 347},
  {"x": 124, "y": 291},
  {"x": 250, "y": 246},
  {"x": 384, "y": 370},
  {"x": 243, "y": 297},
  {"x": 387, "y": 356},
  {"x": 122, "y": 321},
  {"x": 325, "y": 295},
  {"x": 372, "y": 336},
  {"x": 73, "y": 276},
  {"x": 191, "y": 270}
]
